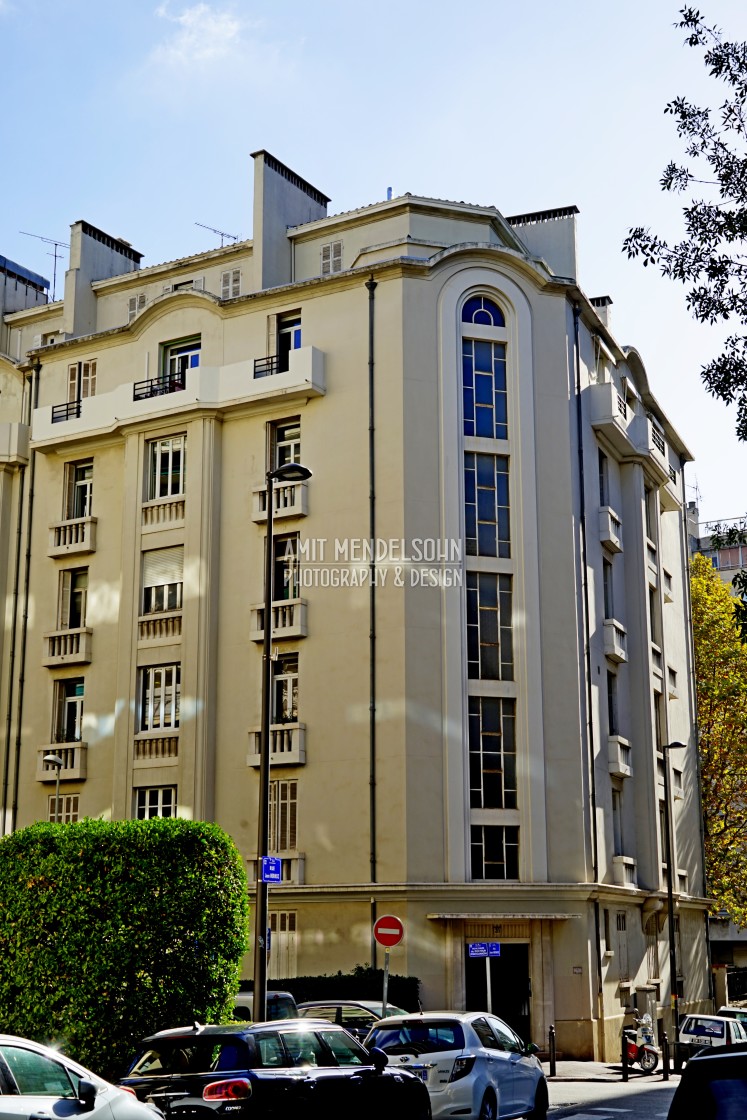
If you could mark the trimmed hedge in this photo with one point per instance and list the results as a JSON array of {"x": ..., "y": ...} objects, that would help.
[
  {"x": 111, "y": 930},
  {"x": 362, "y": 983}
]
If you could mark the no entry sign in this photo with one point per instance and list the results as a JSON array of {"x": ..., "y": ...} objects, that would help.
[{"x": 388, "y": 931}]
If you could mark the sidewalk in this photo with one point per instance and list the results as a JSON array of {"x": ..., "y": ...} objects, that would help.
[{"x": 600, "y": 1071}]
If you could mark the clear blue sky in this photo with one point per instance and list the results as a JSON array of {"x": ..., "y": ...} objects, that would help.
[{"x": 139, "y": 117}]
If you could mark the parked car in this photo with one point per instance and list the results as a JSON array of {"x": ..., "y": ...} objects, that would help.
[
  {"x": 283, "y": 1068},
  {"x": 733, "y": 1013},
  {"x": 36, "y": 1081},
  {"x": 698, "y": 1031},
  {"x": 280, "y": 1005},
  {"x": 356, "y": 1016},
  {"x": 473, "y": 1063},
  {"x": 713, "y": 1086}
]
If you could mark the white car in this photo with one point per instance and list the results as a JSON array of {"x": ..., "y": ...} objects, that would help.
[
  {"x": 37, "y": 1082},
  {"x": 698, "y": 1031},
  {"x": 473, "y": 1064}
]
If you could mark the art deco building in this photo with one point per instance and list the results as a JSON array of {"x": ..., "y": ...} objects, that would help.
[{"x": 468, "y": 717}]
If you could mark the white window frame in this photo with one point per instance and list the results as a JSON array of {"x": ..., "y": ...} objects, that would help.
[
  {"x": 282, "y": 960},
  {"x": 285, "y": 689},
  {"x": 78, "y": 489},
  {"x": 69, "y": 808},
  {"x": 64, "y": 702},
  {"x": 135, "y": 305},
  {"x": 81, "y": 380},
  {"x": 283, "y": 825},
  {"x": 73, "y": 583},
  {"x": 161, "y": 593},
  {"x": 331, "y": 257},
  {"x": 159, "y": 696},
  {"x": 159, "y": 449},
  {"x": 286, "y": 442},
  {"x": 154, "y": 800},
  {"x": 230, "y": 283}
]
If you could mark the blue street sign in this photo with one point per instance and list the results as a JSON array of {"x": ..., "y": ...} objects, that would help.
[
  {"x": 479, "y": 949},
  {"x": 272, "y": 869},
  {"x": 494, "y": 948}
]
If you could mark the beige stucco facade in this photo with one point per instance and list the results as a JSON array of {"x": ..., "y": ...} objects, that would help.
[{"x": 149, "y": 405}]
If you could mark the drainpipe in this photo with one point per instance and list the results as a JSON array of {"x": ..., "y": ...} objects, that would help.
[
  {"x": 587, "y": 656},
  {"x": 371, "y": 287},
  {"x": 13, "y": 631},
  {"x": 25, "y": 615}
]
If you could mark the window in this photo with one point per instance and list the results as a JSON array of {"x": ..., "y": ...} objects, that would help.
[
  {"x": 135, "y": 305},
  {"x": 163, "y": 578},
  {"x": 609, "y": 606},
  {"x": 179, "y": 357},
  {"x": 494, "y": 851},
  {"x": 492, "y": 753},
  {"x": 617, "y": 834},
  {"x": 81, "y": 380},
  {"x": 285, "y": 436},
  {"x": 658, "y": 720},
  {"x": 663, "y": 838},
  {"x": 68, "y": 711},
  {"x": 155, "y": 801},
  {"x": 621, "y": 945},
  {"x": 289, "y": 338},
  {"x": 652, "y": 948},
  {"x": 604, "y": 479},
  {"x": 72, "y": 600},
  {"x": 483, "y": 311},
  {"x": 285, "y": 688},
  {"x": 489, "y": 637},
  {"x": 650, "y": 512},
  {"x": 285, "y": 576},
  {"x": 484, "y": 388},
  {"x": 613, "y": 727},
  {"x": 283, "y": 815},
  {"x": 166, "y": 467},
  {"x": 282, "y": 961},
  {"x": 39, "y": 1076},
  {"x": 331, "y": 257},
  {"x": 488, "y": 531},
  {"x": 68, "y": 808},
  {"x": 78, "y": 489},
  {"x": 653, "y": 616},
  {"x": 230, "y": 283},
  {"x": 160, "y": 687}
]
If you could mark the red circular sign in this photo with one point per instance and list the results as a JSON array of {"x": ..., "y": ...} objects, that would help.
[{"x": 388, "y": 931}]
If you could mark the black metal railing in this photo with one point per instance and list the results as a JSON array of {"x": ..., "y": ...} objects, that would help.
[
  {"x": 68, "y": 411},
  {"x": 266, "y": 367},
  {"x": 158, "y": 386}
]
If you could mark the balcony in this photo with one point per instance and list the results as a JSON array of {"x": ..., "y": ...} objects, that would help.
[
  {"x": 163, "y": 627},
  {"x": 657, "y": 660},
  {"x": 624, "y": 871},
  {"x": 649, "y": 443},
  {"x": 156, "y": 750},
  {"x": 162, "y": 511},
  {"x": 73, "y": 767},
  {"x": 620, "y": 756},
  {"x": 292, "y": 867},
  {"x": 611, "y": 416},
  {"x": 671, "y": 497},
  {"x": 290, "y": 499},
  {"x": 287, "y": 745},
  {"x": 615, "y": 640},
  {"x": 288, "y": 620},
  {"x": 68, "y": 647},
  {"x": 610, "y": 529},
  {"x": 159, "y": 386},
  {"x": 69, "y": 411},
  {"x": 76, "y": 535}
]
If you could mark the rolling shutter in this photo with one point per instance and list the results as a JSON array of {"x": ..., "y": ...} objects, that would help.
[{"x": 163, "y": 566}]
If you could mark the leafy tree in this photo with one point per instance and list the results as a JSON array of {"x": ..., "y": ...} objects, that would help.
[
  {"x": 728, "y": 536},
  {"x": 110, "y": 930},
  {"x": 721, "y": 683},
  {"x": 710, "y": 258}
]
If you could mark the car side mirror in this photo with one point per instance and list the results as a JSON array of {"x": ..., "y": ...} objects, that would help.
[
  {"x": 378, "y": 1058},
  {"x": 531, "y": 1048},
  {"x": 87, "y": 1093}
]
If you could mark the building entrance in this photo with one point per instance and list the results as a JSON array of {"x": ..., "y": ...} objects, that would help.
[{"x": 510, "y": 984}]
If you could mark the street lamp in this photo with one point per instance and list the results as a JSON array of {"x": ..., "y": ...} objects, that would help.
[
  {"x": 670, "y": 901},
  {"x": 58, "y": 763},
  {"x": 289, "y": 472}
]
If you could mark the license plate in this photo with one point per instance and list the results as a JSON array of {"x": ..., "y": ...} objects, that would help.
[{"x": 422, "y": 1074}]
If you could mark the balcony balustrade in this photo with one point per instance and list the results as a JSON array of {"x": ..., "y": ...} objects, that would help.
[
  {"x": 74, "y": 536},
  {"x": 615, "y": 640},
  {"x": 73, "y": 767},
  {"x": 68, "y": 647},
  {"x": 288, "y": 620},
  {"x": 287, "y": 745}
]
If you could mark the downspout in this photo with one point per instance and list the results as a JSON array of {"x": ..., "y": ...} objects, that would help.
[
  {"x": 587, "y": 656},
  {"x": 371, "y": 287},
  {"x": 13, "y": 632},
  {"x": 25, "y": 615}
]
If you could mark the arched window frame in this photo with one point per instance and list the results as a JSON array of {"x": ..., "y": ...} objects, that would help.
[{"x": 471, "y": 335}]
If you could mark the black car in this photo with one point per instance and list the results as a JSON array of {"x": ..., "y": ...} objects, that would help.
[
  {"x": 713, "y": 1086},
  {"x": 284, "y": 1068}
]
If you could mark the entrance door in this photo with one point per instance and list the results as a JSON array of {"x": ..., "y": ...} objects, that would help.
[{"x": 510, "y": 984}]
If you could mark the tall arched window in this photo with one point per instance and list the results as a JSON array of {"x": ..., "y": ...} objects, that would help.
[{"x": 484, "y": 371}]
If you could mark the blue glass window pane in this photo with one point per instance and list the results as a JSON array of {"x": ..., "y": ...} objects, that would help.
[
  {"x": 504, "y": 531},
  {"x": 483, "y": 389},
  {"x": 469, "y": 403},
  {"x": 469, "y": 487},
  {"x": 500, "y": 408},
  {"x": 470, "y": 528},
  {"x": 485, "y": 470},
  {"x": 467, "y": 372},
  {"x": 484, "y": 318},
  {"x": 488, "y": 591},
  {"x": 484, "y": 357},
  {"x": 194, "y": 360},
  {"x": 501, "y": 489},
  {"x": 495, "y": 311},
  {"x": 484, "y": 418},
  {"x": 489, "y": 663},
  {"x": 471, "y": 306},
  {"x": 486, "y": 539},
  {"x": 486, "y": 505},
  {"x": 473, "y": 644}
]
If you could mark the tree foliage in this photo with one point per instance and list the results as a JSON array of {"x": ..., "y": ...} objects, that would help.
[
  {"x": 710, "y": 258},
  {"x": 729, "y": 536},
  {"x": 721, "y": 682},
  {"x": 112, "y": 930}
]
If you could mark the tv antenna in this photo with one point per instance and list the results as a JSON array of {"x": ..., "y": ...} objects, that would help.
[
  {"x": 220, "y": 232},
  {"x": 55, "y": 254}
]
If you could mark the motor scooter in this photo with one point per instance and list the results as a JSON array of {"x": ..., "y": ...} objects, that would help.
[{"x": 639, "y": 1045}]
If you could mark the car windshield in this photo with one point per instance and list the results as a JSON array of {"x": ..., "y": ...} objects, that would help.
[
  {"x": 195, "y": 1055},
  {"x": 419, "y": 1038}
]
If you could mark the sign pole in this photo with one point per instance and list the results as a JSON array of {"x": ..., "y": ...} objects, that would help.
[
  {"x": 386, "y": 983},
  {"x": 489, "y": 986}
]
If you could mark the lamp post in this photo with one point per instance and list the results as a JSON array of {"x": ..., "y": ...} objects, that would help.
[
  {"x": 670, "y": 900},
  {"x": 289, "y": 472},
  {"x": 58, "y": 763}
]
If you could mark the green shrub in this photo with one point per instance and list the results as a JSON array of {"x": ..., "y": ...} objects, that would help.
[{"x": 112, "y": 930}]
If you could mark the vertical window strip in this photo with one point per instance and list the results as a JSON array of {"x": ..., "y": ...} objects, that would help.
[
  {"x": 492, "y": 753},
  {"x": 160, "y": 694},
  {"x": 484, "y": 384},
  {"x": 494, "y": 851},
  {"x": 489, "y": 627},
  {"x": 166, "y": 477},
  {"x": 487, "y": 520},
  {"x": 283, "y": 815}
]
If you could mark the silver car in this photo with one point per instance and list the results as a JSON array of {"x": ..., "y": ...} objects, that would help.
[
  {"x": 474, "y": 1065},
  {"x": 37, "y": 1082}
]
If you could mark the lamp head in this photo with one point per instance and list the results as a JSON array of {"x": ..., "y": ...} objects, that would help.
[
  {"x": 53, "y": 760},
  {"x": 289, "y": 472}
]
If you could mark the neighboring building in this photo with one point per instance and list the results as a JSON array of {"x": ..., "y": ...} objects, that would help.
[
  {"x": 474, "y": 750},
  {"x": 727, "y": 560}
]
